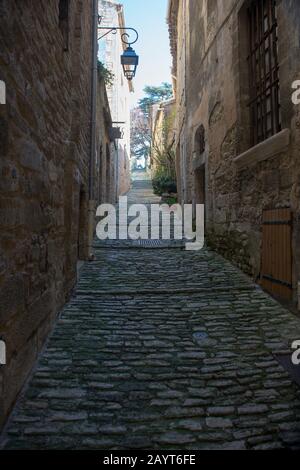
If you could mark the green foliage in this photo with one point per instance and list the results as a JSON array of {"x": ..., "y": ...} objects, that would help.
[
  {"x": 163, "y": 154},
  {"x": 140, "y": 141},
  {"x": 141, "y": 131},
  {"x": 155, "y": 94},
  {"x": 163, "y": 183},
  {"x": 171, "y": 200},
  {"x": 106, "y": 74}
]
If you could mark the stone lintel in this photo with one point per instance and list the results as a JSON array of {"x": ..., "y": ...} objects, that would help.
[{"x": 271, "y": 147}]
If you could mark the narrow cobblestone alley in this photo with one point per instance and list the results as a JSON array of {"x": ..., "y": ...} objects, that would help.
[{"x": 162, "y": 349}]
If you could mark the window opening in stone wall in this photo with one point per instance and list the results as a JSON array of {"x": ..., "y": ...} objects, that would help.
[
  {"x": 64, "y": 22},
  {"x": 264, "y": 70}
]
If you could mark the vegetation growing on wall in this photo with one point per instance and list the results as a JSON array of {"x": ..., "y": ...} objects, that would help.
[
  {"x": 155, "y": 95},
  {"x": 105, "y": 74},
  {"x": 163, "y": 155},
  {"x": 141, "y": 132}
]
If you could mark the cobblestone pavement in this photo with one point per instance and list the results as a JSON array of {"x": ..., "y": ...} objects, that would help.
[{"x": 162, "y": 349}]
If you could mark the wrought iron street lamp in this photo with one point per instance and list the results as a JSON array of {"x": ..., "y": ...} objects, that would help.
[
  {"x": 129, "y": 61},
  {"x": 129, "y": 58}
]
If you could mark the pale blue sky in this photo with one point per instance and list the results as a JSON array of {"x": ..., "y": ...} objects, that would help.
[{"x": 148, "y": 17}]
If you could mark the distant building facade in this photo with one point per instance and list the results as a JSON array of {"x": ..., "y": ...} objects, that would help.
[
  {"x": 238, "y": 132},
  {"x": 106, "y": 148},
  {"x": 111, "y": 48},
  {"x": 162, "y": 142}
]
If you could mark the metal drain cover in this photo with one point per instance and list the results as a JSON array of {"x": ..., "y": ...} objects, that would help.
[
  {"x": 157, "y": 243},
  {"x": 200, "y": 336},
  {"x": 150, "y": 243},
  {"x": 286, "y": 362}
]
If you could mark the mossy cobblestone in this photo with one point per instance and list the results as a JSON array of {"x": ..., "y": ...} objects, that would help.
[{"x": 191, "y": 367}]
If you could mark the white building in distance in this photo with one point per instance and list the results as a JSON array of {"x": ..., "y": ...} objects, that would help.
[{"x": 111, "y": 48}]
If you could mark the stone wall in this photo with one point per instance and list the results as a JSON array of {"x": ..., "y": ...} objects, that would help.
[
  {"x": 112, "y": 12},
  {"x": 124, "y": 170},
  {"x": 162, "y": 146},
  {"x": 105, "y": 185},
  {"x": 211, "y": 76},
  {"x": 44, "y": 170}
]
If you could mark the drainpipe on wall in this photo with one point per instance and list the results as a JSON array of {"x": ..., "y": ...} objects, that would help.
[
  {"x": 117, "y": 171},
  {"x": 92, "y": 202}
]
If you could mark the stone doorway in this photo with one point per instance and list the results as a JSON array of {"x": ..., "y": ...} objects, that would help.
[{"x": 200, "y": 185}]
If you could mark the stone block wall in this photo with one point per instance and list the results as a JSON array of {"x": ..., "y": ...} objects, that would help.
[
  {"x": 106, "y": 149},
  {"x": 113, "y": 162},
  {"x": 214, "y": 71},
  {"x": 123, "y": 170},
  {"x": 44, "y": 169}
]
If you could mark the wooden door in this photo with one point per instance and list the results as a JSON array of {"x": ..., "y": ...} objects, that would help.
[{"x": 276, "y": 272}]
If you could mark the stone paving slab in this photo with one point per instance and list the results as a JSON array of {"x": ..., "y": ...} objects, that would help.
[
  {"x": 158, "y": 372},
  {"x": 160, "y": 269},
  {"x": 162, "y": 349}
]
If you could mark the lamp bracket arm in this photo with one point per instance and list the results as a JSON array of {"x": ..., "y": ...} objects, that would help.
[{"x": 124, "y": 36}]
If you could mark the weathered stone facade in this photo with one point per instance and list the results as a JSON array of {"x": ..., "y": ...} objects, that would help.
[
  {"x": 50, "y": 180},
  {"x": 216, "y": 163},
  {"x": 112, "y": 13},
  {"x": 105, "y": 186},
  {"x": 162, "y": 120}
]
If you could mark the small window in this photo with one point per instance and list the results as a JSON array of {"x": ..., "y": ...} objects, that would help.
[
  {"x": 264, "y": 101},
  {"x": 64, "y": 22}
]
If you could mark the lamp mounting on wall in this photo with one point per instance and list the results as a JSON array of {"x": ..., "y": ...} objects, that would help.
[{"x": 129, "y": 58}]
